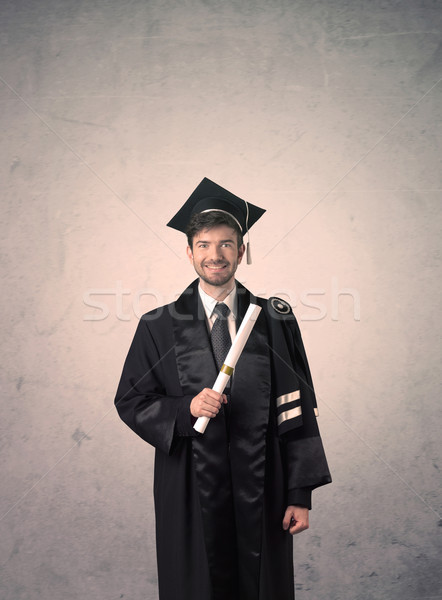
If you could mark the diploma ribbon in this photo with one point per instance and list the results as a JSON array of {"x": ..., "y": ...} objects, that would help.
[{"x": 227, "y": 370}]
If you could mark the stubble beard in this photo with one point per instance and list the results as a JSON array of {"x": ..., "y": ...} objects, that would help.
[{"x": 217, "y": 280}]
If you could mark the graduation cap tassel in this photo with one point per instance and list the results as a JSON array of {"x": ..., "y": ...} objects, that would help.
[{"x": 248, "y": 252}]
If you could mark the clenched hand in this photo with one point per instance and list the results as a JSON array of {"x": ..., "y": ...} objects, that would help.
[
  {"x": 295, "y": 519},
  {"x": 207, "y": 403}
]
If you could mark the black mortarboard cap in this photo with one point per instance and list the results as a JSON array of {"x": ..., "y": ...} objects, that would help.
[{"x": 211, "y": 196}]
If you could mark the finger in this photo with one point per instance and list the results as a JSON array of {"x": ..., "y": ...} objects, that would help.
[
  {"x": 214, "y": 406},
  {"x": 208, "y": 393},
  {"x": 287, "y": 519},
  {"x": 212, "y": 403},
  {"x": 210, "y": 410},
  {"x": 297, "y": 527},
  {"x": 208, "y": 413}
]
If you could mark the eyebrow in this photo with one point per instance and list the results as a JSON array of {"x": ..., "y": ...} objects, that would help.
[{"x": 207, "y": 241}]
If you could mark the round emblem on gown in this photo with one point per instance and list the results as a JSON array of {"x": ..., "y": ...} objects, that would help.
[{"x": 281, "y": 306}]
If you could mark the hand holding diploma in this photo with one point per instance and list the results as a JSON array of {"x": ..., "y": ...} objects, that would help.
[
  {"x": 213, "y": 400},
  {"x": 207, "y": 403}
]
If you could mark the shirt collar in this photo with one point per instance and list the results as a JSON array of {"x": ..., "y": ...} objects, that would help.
[{"x": 209, "y": 303}]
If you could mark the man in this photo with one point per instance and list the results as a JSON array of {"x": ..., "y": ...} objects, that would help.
[{"x": 227, "y": 501}]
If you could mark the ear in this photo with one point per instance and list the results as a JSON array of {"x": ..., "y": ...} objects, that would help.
[
  {"x": 241, "y": 251},
  {"x": 189, "y": 254}
]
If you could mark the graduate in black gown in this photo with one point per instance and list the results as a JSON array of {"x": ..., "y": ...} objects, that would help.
[{"x": 228, "y": 501}]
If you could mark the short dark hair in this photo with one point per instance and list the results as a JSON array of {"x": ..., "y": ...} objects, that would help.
[{"x": 208, "y": 220}]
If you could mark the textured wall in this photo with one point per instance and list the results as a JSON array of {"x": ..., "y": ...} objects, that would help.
[{"x": 326, "y": 113}]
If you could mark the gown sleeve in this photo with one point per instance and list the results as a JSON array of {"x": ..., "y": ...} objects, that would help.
[
  {"x": 306, "y": 462},
  {"x": 142, "y": 401}
]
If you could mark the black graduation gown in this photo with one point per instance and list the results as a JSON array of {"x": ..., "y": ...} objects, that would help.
[{"x": 219, "y": 497}]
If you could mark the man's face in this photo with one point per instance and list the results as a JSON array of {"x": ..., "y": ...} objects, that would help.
[{"x": 215, "y": 255}]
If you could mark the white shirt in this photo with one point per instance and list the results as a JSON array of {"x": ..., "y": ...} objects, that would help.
[{"x": 209, "y": 304}]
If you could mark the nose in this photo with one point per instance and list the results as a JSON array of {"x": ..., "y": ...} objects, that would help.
[{"x": 216, "y": 253}]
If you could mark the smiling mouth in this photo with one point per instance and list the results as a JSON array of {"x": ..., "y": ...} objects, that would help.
[{"x": 215, "y": 268}]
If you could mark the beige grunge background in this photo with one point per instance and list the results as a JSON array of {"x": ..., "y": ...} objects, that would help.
[{"x": 326, "y": 113}]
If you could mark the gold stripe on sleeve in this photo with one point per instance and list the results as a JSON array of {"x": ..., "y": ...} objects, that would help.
[
  {"x": 289, "y": 414},
  {"x": 288, "y": 398}
]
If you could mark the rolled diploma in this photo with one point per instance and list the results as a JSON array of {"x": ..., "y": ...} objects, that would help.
[{"x": 232, "y": 357}]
